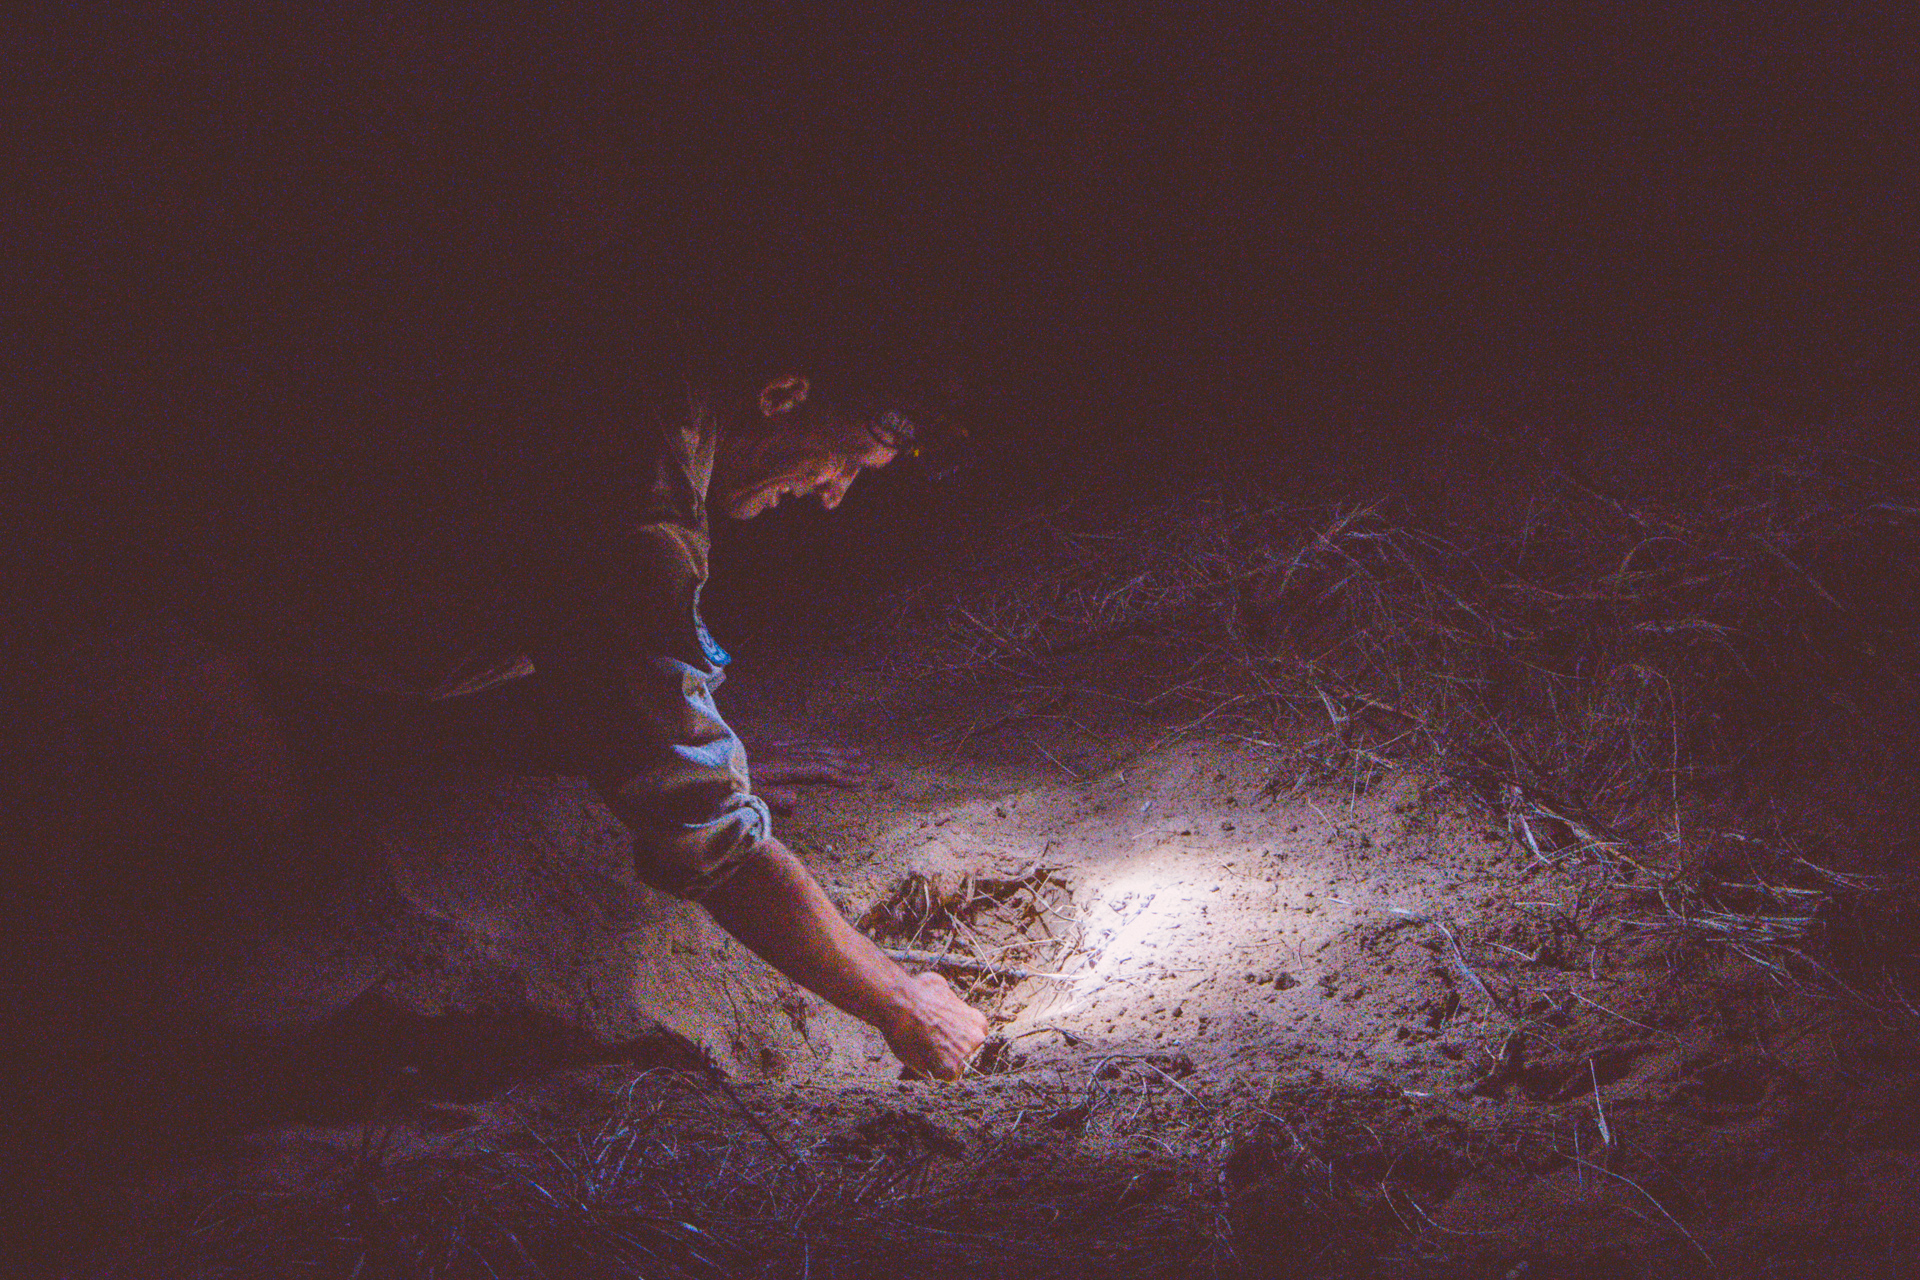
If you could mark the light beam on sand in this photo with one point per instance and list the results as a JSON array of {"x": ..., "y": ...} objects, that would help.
[{"x": 1143, "y": 892}]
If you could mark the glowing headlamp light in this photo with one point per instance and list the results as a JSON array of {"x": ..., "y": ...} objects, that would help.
[{"x": 940, "y": 447}]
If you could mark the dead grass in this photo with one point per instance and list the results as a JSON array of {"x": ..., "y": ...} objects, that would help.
[
  {"x": 1700, "y": 708},
  {"x": 681, "y": 1179},
  {"x": 988, "y": 935},
  {"x": 1703, "y": 679},
  {"x": 1129, "y": 1164}
]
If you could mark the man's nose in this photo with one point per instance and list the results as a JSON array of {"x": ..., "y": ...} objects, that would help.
[{"x": 832, "y": 490}]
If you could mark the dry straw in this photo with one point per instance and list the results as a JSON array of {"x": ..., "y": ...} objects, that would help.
[{"x": 1626, "y": 680}]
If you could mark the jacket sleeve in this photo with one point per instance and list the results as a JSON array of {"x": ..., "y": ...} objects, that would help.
[
  {"x": 643, "y": 682},
  {"x": 686, "y": 794}
]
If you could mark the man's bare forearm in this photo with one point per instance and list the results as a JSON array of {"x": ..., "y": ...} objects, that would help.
[{"x": 778, "y": 909}]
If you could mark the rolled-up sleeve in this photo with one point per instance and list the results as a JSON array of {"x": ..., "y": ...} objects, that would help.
[
  {"x": 688, "y": 798},
  {"x": 642, "y": 681}
]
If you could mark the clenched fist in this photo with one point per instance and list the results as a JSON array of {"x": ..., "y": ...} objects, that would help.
[{"x": 934, "y": 1031}]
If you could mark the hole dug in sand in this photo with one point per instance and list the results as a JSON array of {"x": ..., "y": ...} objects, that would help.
[{"x": 1280, "y": 932}]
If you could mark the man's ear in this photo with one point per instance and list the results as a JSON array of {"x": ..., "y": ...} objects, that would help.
[{"x": 783, "y": 395}]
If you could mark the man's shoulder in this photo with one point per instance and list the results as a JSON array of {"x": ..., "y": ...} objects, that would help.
[{"x": 665, "y": 429}]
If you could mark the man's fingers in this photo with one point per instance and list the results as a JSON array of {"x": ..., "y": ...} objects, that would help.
[
  {"x": 788, "y": 773},
  {"x": 802, "y": 762},
  {"x": 818, "y": 759},
  {"x": 945, "y": 1033},
  {"x": 806, "y": 748}
]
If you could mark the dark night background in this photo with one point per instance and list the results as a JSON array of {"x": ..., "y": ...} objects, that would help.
[
  {"x": 1333, "y": 249},
  {"x": 1340, "y": 252},
  {"x": 1129, "y": 225}
]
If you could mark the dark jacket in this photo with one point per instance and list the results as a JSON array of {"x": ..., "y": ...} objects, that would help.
[{"x": 448, "y": 574}]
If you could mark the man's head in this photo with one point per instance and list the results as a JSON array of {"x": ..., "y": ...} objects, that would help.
[{"x": 786, "y": 443}]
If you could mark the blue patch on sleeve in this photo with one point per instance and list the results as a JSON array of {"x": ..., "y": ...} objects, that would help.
[{"x": 708, "y": 645}]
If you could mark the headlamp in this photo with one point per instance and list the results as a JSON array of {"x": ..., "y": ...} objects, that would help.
[{"x": 938, "y": 446}]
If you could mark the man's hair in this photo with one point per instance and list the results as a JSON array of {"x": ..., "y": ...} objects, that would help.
[
  {"x": 888, "y": 362},
  {"x": 909, "y": 394},
  {"x": 913, "y": 402}
]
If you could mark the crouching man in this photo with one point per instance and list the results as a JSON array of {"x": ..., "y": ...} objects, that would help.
[
  {"x": 569, "y": 598},
  {"x": 783, "y": 444}
]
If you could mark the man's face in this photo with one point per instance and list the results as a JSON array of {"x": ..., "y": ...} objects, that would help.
[{"x": 801, "y": 450}]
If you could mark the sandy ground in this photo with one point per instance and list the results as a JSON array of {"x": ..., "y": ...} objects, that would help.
[
  {"x": 1382, "y": 975},
  {"x": 1330, "y": 1030}
]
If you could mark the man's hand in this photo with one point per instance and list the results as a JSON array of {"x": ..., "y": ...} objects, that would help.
[
  {"x": 775, "y": 907},
  {"x": 779, "y": 763},
  {"x": 803, "y": 761},
  {"x": 935, "y": 1031}
]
